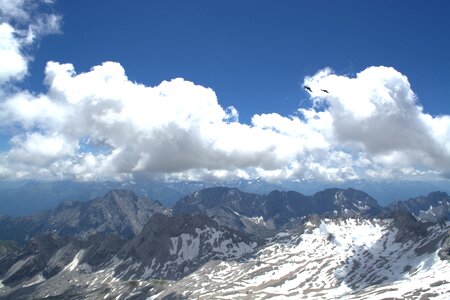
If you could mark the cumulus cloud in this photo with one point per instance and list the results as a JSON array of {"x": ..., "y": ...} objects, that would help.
[
  {"x": 99, "y": 124},
  {"x": 114, "y": 127},
  {"x": 377, "y": 113}
]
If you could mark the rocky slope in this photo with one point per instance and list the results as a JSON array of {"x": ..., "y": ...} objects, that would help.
[
  {"x": 171, "y": 247},
  {"x": 119, "y": 212},
  {"x": 167, "y": 248}
]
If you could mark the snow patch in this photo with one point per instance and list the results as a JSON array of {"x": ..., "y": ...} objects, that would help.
[
  {"x": 258, "y": 220},
  {"x": 74, "y": 263},
  {"x": 173, "y": 249},
  {"x": 35, "y": 280},
  {"x": 190, "y": 246}
]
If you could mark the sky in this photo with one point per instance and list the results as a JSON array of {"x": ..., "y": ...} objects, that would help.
[{"x": 200, "y": 90}]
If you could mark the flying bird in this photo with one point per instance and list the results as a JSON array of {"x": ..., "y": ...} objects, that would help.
[
  {"x": 308, "y": 88},
  {"x": 325, "y": 91}
]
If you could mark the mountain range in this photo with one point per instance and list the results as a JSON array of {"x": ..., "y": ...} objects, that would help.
[
  {"x": 225, "y": 243},
  {"x": 18, "y": 198},
  {"x": 120, "y": 212},
  {"x": 250, "y": 212}
]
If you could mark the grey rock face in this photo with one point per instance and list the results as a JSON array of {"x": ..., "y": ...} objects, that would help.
[
  {"x": 9, "y": 251},
  {"x": 408, "y": 227},
  {"x": 21, "y": 228},
  {"x": 219, "y": 196},
  {"x": 101, "y": 249},
  {"x": 48, "y": 255},
  {"x": 444, "y": 253}
]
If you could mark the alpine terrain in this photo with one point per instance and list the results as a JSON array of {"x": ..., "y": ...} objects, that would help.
[{"x": 222, "y": 243}]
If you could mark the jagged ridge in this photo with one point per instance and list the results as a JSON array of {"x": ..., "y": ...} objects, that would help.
[{"x": 119, "y": 212}]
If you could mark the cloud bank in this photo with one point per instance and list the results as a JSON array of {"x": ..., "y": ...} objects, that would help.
[{"x": 100, "y": 125}]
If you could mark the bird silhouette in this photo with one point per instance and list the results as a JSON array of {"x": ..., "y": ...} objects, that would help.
[
  {"x": 325, "y": 91},
  {"x": 308, "y": 88}
]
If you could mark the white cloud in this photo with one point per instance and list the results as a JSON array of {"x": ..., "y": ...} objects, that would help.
[
  {"x": 377, "y": 112},
  {"x": 40, "y": 150},
  {"x": 114, "y": 127},
  {"x": 99, "y": 124},
  {"x": 13, "y": 9},
  {"x": 13, "y": 64},
  {"x": 22, "y": 22}
]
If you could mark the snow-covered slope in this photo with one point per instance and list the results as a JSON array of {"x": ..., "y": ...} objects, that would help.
[
  {"x": 193, "y": 257},
  {"x": 348, "y": 258}
]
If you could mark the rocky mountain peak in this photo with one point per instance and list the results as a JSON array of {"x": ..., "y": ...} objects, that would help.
[
  {"x": 347, "y": 202},
  {"x": 121, "y": 194}
]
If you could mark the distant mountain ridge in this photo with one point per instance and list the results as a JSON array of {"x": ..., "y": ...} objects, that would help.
[
  {"x": 119, "y": 212},
  {"x": 249, "y": 212},
  {"x": 124, "y": 213},
  {"x": 18, "y": 197},
  {"x": 434, "y": 207},
  {"x": 20, "y": 200}
]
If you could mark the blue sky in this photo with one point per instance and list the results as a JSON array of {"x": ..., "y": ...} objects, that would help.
[
  {"x": 87, "y": 92},
  {"x": 255, "y": 54}
]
